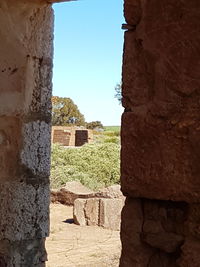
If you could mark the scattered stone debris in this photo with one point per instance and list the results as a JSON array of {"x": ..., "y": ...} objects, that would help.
[
  {"x": 68, "y": 194},
  {"x": 102, "y": 208},
  {"x": 73, "y": 190}
]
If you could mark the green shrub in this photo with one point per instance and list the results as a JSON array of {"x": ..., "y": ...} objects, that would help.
[
  {"x": 113, "y": 139},
  {"x": 94, "y": 165}
]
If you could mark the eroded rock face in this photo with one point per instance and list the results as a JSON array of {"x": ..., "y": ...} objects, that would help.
[
  {"x": 156, "y": 230},
  {"x": 160, "y": 133}
]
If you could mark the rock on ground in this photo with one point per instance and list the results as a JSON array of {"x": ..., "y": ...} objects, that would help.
[
  {"x": 70, "y": 192},
  {"x": 99, "y": 211}
]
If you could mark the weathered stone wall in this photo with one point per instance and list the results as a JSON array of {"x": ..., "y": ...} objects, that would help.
[
  {"x": 25, "y": 115},
  {"x": 161, "y": 134},
  {"x": 71, "y": 136}
]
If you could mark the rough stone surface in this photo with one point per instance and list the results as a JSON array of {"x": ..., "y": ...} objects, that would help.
[
  {"x": 25, "y": 54},
  {"x": 160, "y": 230},
  {"x": 25, "y": 115},
  {"x": 167, "y": 242},
  {"x": 160, "y": 131},
  {"x": 68, "y": 194},
  {"x": 91, "y": 211},
  {"x": 110, "y": 213},
  {"x": 190, "y": 254},
  {"x": 23, "y": 253},
  {"x": 98, "y": 211},
  {"x": 79, "y": 212},
  {"x": 113, "y": 191},
  {"x": 36, "y": 158},
  {"x": 160, "y": 170},
  {"x": 27, "y": 211},
  {"x": 10, "y": 143},
  {"x": 134, "y": 251},
  {"x": 86, "y": 211}
]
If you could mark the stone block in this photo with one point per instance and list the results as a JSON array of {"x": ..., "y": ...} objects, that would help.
[
  {"x": 79, "y": 212},
  {"x": 153, "y": 232},
  {"x": 86, "y": 211},
  {"x": 113, "y": 191},
  {"x": 134, "y": 251},
  {"x": 24, "y": 211},
  {"x": 10, "y": 145},
  {"x": 159, "y": 160},
  {"x": 35, "y": 155},
  {"x": 160, "y": 126},
  {"x": 92, "y": 211},
  {"x": 98, "y": 212},
  {"x": 110, "y": 213},
  {"x": 23, "y": 253}
]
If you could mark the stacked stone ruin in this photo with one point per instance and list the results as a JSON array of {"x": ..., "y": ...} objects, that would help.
[
  {"x": 160, "y": 132},
  {"x": 71, "y": 136}
]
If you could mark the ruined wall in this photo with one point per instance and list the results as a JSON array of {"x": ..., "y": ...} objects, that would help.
[
  {"x": 25, "y": 114},
  {"x": 161, "y": 134},
  {"x": 71, "y": 136}
]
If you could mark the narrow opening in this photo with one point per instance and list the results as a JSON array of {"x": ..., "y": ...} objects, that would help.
[{"x": 85, "y": 216}]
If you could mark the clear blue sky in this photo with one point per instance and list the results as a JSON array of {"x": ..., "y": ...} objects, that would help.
[{"x": 88, "y": 56}]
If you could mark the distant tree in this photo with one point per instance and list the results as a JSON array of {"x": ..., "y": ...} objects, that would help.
[
  {"x": 94, "y": 124},
  {"x": 65, "y": 112},
  {"x": 118, "y": 92}
]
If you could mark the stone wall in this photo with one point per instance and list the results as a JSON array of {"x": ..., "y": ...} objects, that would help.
[
  {"x": 161, "y": 134},
  {"x": 71, "y": 136},
  {"x": 25, "y": 115}
]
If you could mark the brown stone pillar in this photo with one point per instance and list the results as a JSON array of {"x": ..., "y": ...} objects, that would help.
[
  {"x": 161, "y": 134},
  {"x": 25, "y": 115}
]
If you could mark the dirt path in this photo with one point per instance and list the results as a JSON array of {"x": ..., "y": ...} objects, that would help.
[{"x": 80, "y": 246}]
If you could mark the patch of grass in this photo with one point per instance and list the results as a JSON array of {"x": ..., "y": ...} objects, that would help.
[{"x": 112, "y": 128}]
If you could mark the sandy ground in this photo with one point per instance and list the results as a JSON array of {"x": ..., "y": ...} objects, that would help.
[{"x": 80, "y": 246}]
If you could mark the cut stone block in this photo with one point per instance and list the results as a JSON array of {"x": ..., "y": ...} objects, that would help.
[
  {"x": 110, "y": 213},
  {"x": 86, "y": 211},
  {"x": 156, "y": 164},
  {"x": 79, "y": 212},
  {"x": 92, "y": 211},
  {"x": 24, "y": 211},
  {"x": 98, "y": 211},
  {"x": 160, "y": 125}
]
